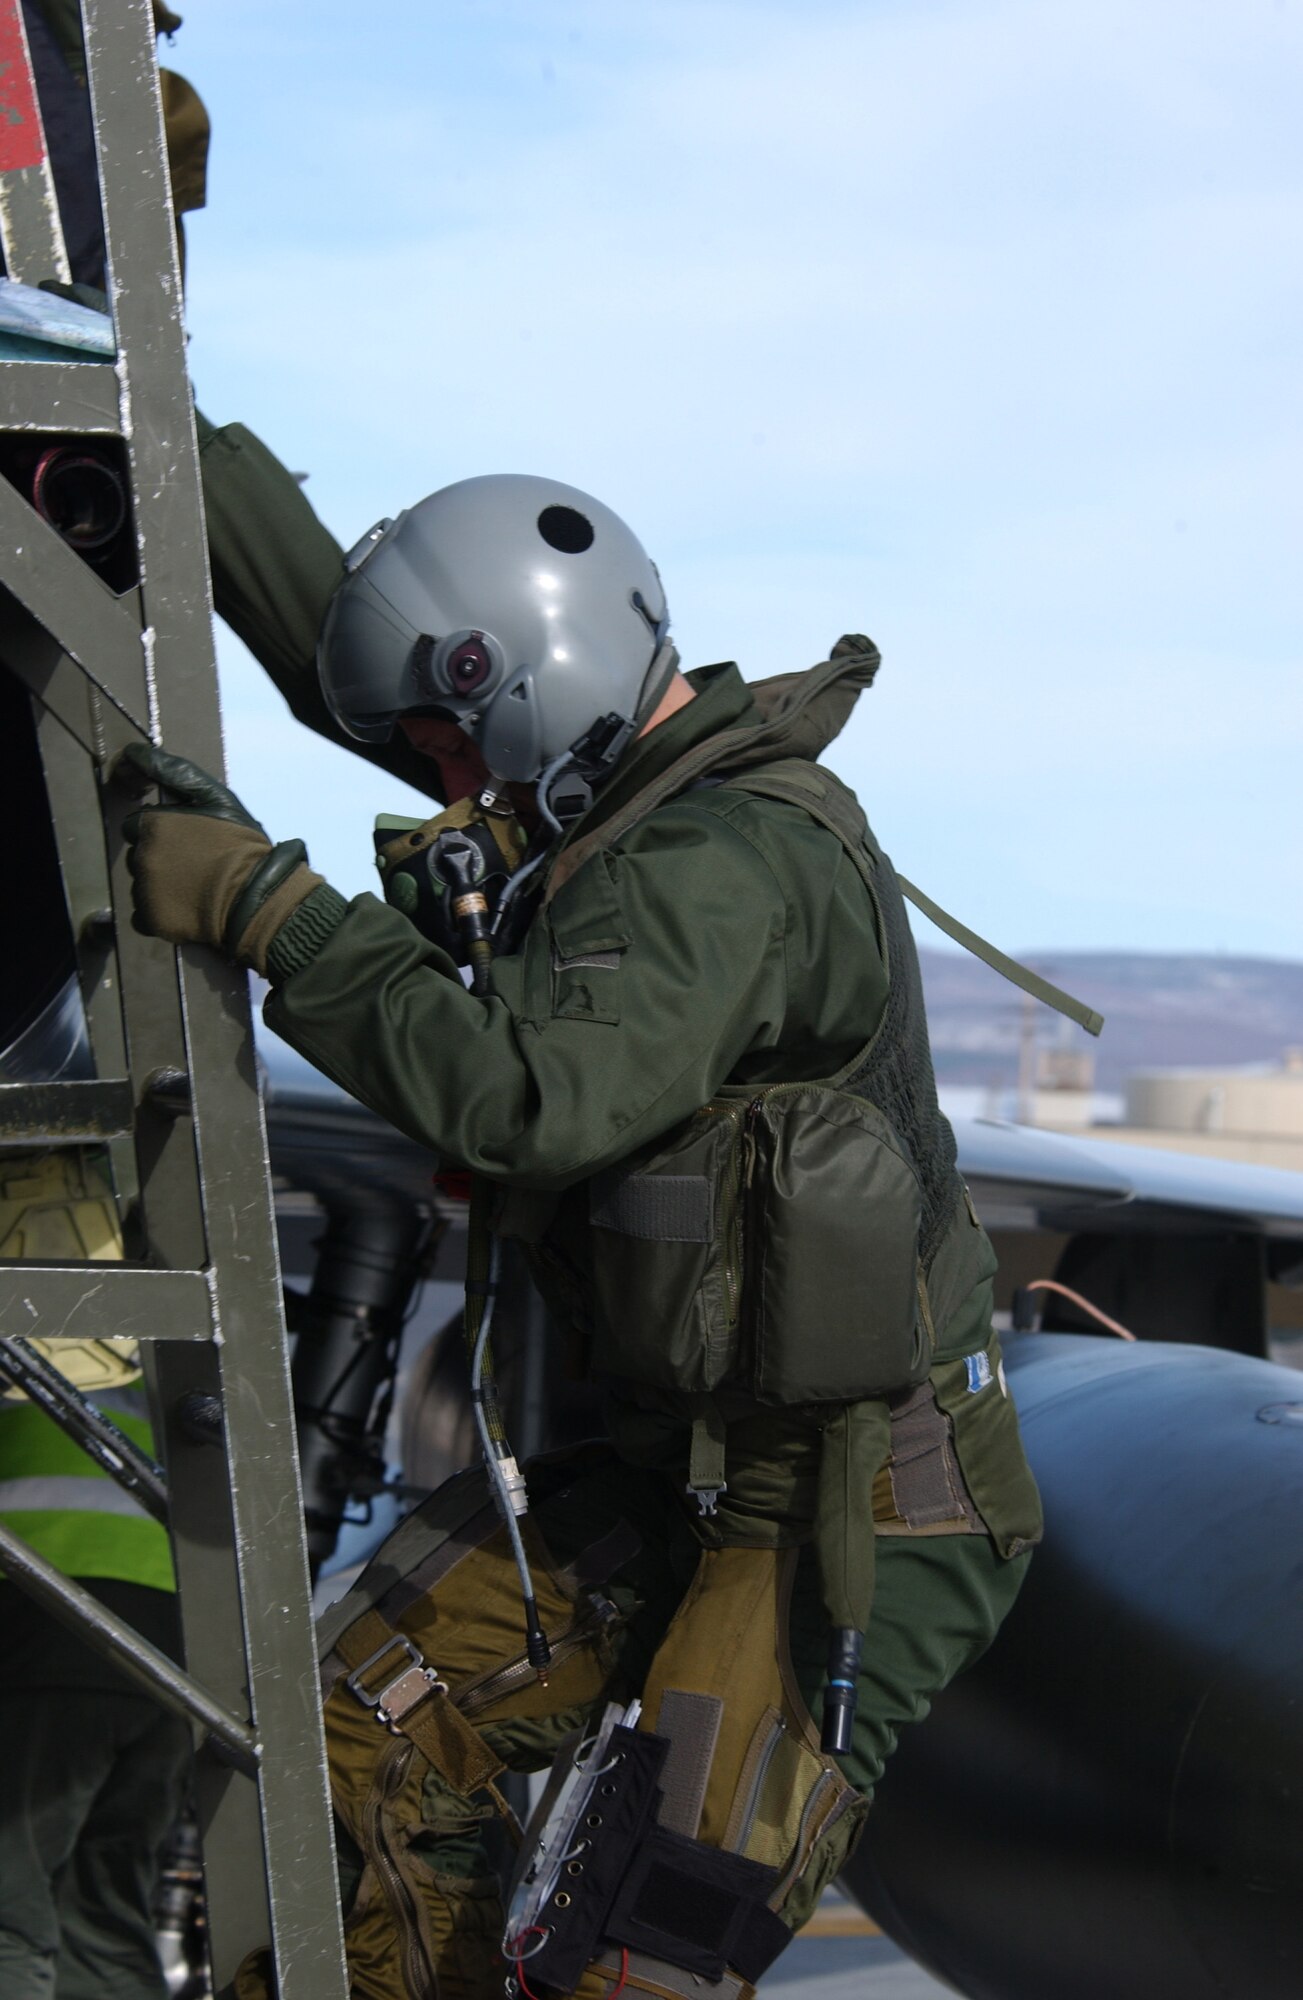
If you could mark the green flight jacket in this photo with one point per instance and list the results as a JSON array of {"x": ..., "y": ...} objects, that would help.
[
  {"x": 745, "y": 939},
  {"x": 725, "y": 938},
  {"x": 728, "y": 971},
  {"x": 274, "y": 569}
]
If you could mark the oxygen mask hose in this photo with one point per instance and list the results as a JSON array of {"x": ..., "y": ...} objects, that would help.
[
  {"x": 483, "y": 1258},
  {"x": 542, "y": 798},
  {"x": 461, "y": 864}
]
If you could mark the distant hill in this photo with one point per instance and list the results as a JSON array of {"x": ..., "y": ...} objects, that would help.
[{"x": 1161, "y": 1011}]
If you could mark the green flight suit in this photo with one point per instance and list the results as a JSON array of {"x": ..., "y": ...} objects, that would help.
[
  {"x": 729, "y": 905},
  {"x": 746, "y": 942},
  {"x": 724, "y": 938}
]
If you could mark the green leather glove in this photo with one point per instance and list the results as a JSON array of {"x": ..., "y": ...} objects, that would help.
[{"x": 203, "y": 870}]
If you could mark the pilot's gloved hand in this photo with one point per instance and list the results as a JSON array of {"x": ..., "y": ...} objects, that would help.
[{"x": 203, "y": 870}]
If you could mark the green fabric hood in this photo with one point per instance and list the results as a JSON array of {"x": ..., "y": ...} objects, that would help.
[{"x": 802, "y": 713}]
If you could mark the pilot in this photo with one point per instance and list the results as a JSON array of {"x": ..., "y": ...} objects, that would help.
[{"x": 691, "y": 1074}]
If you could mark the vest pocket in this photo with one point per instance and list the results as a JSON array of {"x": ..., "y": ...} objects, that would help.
[
  {"x": 772, "y": 1245},
  {"x": 588, "y": 935},
  {"x": 836, "y": 1306},
  {"x": 587, "y": 986},
  {"x": 667, "y": 1258}
]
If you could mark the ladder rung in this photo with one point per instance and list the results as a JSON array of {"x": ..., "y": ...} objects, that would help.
[
  {"x": 76, "y": 396},
  {"x": 64, "y": 1114},
  {"x": 104, "y": 1302},
  {"x": 114, "y": 1639}
]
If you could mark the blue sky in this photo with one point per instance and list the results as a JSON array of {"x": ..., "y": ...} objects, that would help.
[{"x": 972, "y": 324}]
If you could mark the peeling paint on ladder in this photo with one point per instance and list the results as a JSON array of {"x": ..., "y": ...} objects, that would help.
[{"x": 147, "y": 639}]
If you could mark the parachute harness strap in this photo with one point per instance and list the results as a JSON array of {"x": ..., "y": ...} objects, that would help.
[{"x": 707, "y": 1460}]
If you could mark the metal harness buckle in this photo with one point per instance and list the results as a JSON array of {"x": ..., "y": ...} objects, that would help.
[{"x": 404, "y": 1692}]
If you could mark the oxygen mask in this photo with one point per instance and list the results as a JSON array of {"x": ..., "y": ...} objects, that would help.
[{"x": 428, "y": 867}]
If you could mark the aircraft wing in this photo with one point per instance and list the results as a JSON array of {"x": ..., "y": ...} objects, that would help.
[{"x": 1023, "y": 1178}]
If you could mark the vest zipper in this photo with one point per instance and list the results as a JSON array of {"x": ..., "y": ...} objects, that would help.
[
  {"x": 501, "y": 1681},
  {"x": 739, "y": 1250},
  {"x": 808, "y": 1832},
  {"x": 730, "y": 1212},
  {"x": 750, "y": 1154},
  {"x": 420, "y": 1982},
  {"x": 753, "y": 1110},
  {"x": 760, "y": 1773},
  {"x": 749, "y": 1142}
]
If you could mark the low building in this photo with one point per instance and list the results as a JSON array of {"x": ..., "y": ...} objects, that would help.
[{"x": 1253, "y": 1114}]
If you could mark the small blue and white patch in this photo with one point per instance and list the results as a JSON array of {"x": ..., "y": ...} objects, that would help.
[{"x": 979, "y": 1372}]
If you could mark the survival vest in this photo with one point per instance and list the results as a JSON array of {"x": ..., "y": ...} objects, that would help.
[{"x": 801, "y": 1248}]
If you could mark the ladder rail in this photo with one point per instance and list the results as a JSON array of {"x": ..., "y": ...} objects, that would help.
[
  {"x": 201, "y": 1288},
  {"x": 117, "y": 1641}
]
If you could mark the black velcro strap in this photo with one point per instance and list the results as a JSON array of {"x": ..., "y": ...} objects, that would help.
[
  {"x": 758, "y": 1944},
  {"x": 660, "y": 1208},
  {"x": 697, "y": 1907}
]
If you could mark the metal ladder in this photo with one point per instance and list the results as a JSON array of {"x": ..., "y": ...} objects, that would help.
[{"x": 175, "y": 1100}]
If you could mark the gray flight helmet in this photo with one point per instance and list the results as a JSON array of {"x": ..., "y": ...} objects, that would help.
[{"x": 521, "y": 609}]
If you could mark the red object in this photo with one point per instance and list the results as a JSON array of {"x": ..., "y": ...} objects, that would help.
[
  {"x": 22, "y": 140},
  {"x": 510, "y": 1951},
  {"x": 454, "y": 1184},
  {"x": 540, "y": 1930}
]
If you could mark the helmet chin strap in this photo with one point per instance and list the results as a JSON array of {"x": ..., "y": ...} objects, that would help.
[
  {"x": 558, "y": 802},
  {"x": 565, "y": 788},
  {"x": 556, "y": 826},
  {"x": 564, "y": 792}
]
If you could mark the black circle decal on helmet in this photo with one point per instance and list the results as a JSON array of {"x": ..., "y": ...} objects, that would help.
[{"x": 566, "y": 529}]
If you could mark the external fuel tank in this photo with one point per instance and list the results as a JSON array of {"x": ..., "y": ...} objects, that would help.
[{"x": 1110, "y": 1805}]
